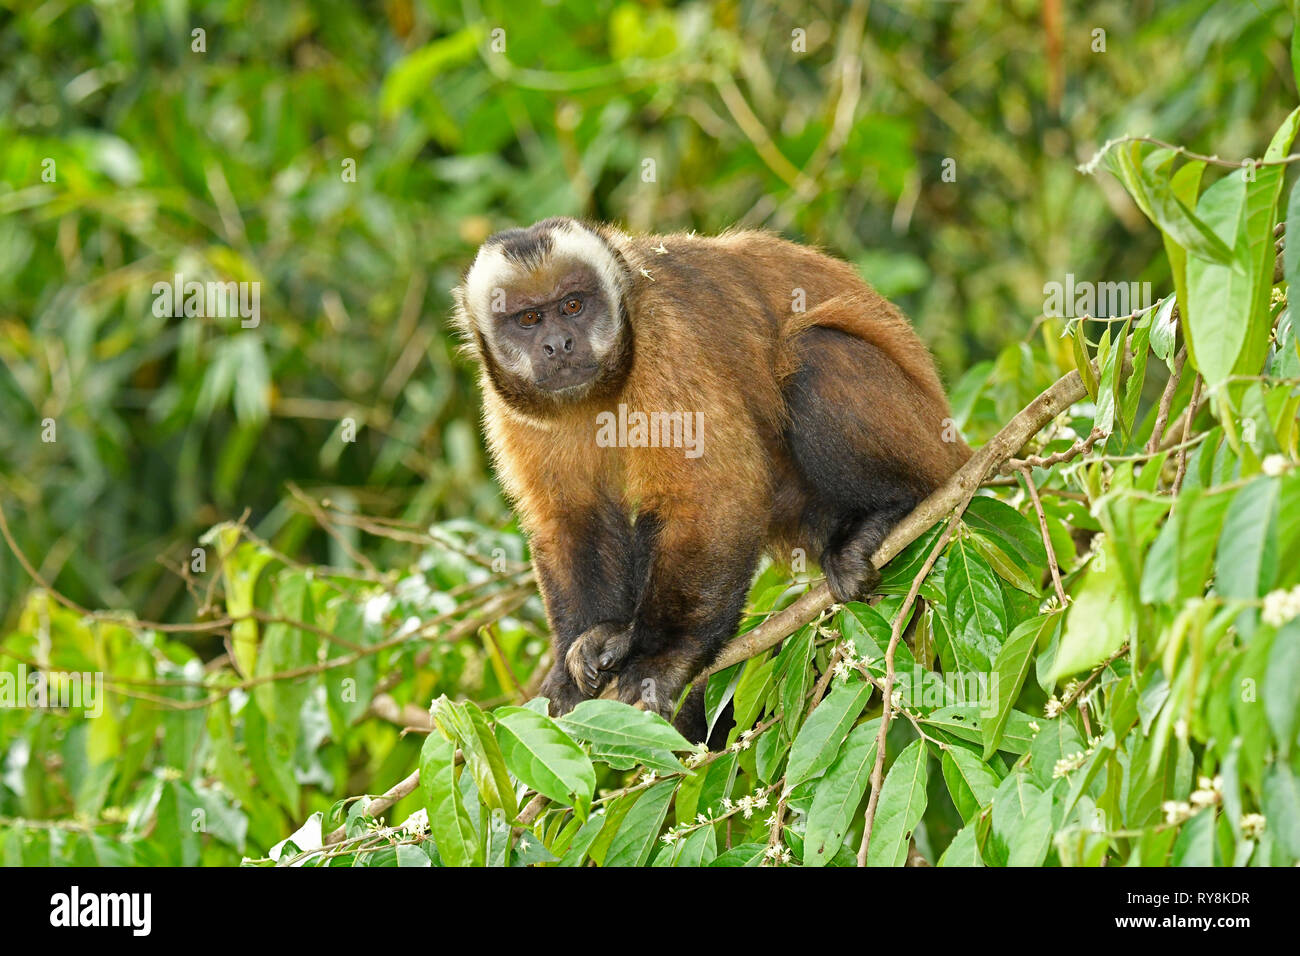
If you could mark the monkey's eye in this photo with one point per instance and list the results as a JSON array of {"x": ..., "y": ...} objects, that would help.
[
  {"x": 530, "y": 318},
  {"x": 572, "y": 305}
]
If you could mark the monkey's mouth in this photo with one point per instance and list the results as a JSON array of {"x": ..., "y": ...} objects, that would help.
[{"x": 569, "y": 376}]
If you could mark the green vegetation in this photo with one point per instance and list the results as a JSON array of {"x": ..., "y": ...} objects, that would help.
[{"x": 281, "y": 601}]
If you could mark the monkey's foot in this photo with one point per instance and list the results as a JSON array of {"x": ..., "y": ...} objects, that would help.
[
  {"x": 652, "y": 684},
  {"x": 596, "y": 654},
  {"x": 561, "y": 691},
  {"x": 850, "y": 574}
]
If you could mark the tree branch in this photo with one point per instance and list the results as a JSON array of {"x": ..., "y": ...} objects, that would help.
[{"x": 987, "y": 458}]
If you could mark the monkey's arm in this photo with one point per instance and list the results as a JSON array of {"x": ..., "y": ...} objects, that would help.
[
  {"x": 695, "y": 557},
  {"x": 585, "y": 563}
]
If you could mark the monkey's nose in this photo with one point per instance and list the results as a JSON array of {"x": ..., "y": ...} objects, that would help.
[{"x": 555, "y": 344}]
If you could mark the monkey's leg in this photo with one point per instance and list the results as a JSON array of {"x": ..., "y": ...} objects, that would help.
[
  {"x": 597, "y": 653},
  {"x": 859, "y": 446}
]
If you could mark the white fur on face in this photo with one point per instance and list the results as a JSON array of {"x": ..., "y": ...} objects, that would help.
[{"x": 493, "y": 273}]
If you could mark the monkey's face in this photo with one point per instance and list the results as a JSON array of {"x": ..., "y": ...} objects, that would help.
[
  {"x": 542, "y": 308},
  {"x": 554, "y": 332}
]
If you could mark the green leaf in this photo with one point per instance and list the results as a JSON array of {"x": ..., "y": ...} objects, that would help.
[
  {"x": 1056, "y": 740},
  {"x": 819, "y": 739},
  {"x": 616, "y": 730},
  {"x": 1195, "y": 843},
  {"x": 1227, "y": 315},
  {"x": 1013, "y": 805},
  {"x": 751, "y": 691},
  {"x": 975, "y": 608},
  {"x": 1261, "y": 215},
  {"x": 747, "y": 855},
  {"x": 1185, "y": 184},
  {"x": 1009, "y": 673},
  {"x": 796, "y": 658},
  {"x": 583, "y": 839},
  {"x": 1084, "y": 364},
  {"x": 1295, "y": 44},
  {"x": 698, "y": 848},
  {"x": 964, "y": 849},
  {"x": 1181, "y": 556},
  {"x": 1281, "y": 679},
  {"x": 1033, "y": 838},
  {"x": 465, "y": 724},
  {"x": 640, "y": 828},
  {"x": 1281, "y": 805},
  {"x": 408, "y": 855},
  {"x": 970, "y": 781},
  {"x": 1164, "y": 331},
  {"x": 870, "y": 635},
  {"x": 541, "y": 755},
  {"x": 449, "y": 821},
  {"x": 411, "y": 77},
  {"x": 837, "y": 795},
  {"x": 1291, "y": 250},
  {"x": 1098, "y": 621},
  {"x": 1219, "y": 296},
  {"x": 1158, "y": 200},
  {"x": 1001, "y": 522},
  {"x": 901, "y": 805},
  {"x": 1247, "y": 559}
]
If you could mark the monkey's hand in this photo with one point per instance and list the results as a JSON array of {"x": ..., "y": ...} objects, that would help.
[{"x": 596, "y": 654}]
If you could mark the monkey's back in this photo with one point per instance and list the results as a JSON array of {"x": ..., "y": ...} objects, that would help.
[{"x": 746, "y": 298}]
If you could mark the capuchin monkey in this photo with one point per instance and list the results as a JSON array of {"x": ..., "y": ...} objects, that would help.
[{"x": 661, "y": 409}]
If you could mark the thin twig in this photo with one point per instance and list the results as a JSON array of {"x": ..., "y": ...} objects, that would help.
[
  {"x": 1187, "y": 430},
  {"x": 1047, "y": 538},
  {"x": 1166, "y": 401},
  {"x": 887, "y": 691}
]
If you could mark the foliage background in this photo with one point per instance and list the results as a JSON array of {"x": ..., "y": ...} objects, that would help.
[{"x": 226, "y": 164}]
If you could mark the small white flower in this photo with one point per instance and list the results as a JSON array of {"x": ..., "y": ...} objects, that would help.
[
  {"x": 1273, "y": 465},
  {"x": 1252, "y": 825},
  {"x": 1176, "y": 811},
  {"x": 1281, "y": 606},
  {"x": 417, "y": 822},
  {"x": 1066, "y": 764},
  {"x": 374, "y": 609}
]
